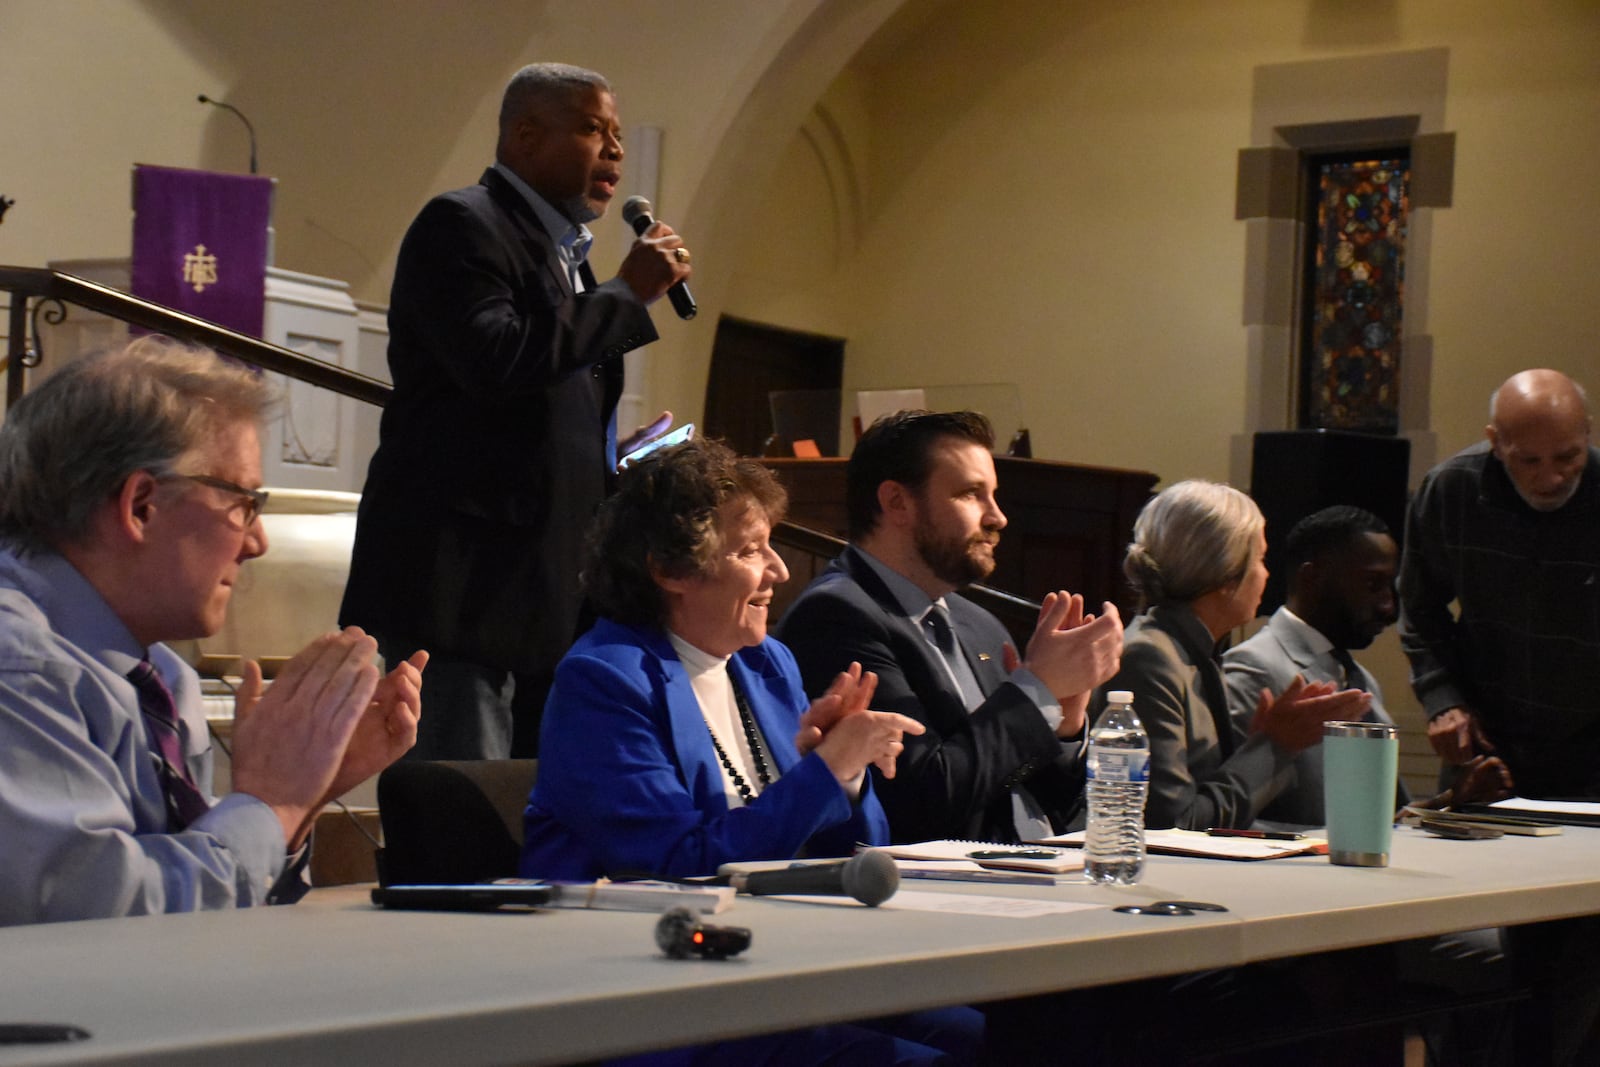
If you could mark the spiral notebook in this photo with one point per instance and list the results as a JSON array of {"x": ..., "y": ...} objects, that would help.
[{"x": 1199, "y": 843}]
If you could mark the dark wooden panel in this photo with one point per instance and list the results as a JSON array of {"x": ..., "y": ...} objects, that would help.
[
  {"x": 816, "y": 492},
  {"x": 1068, "y": 528},
  {"x": 1296, "y": 472},
  {"x": 749, "y": 360}
]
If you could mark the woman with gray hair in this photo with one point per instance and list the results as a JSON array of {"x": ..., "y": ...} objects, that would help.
[{"x": 1198, "y": 563}]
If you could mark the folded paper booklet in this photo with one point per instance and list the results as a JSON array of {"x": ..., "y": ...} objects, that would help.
[
  {"x": 1569, "y": 812},
  {"x": 991, "y": 856},
  {"x": 635, "y": 896},
  {"x": 1484, "y": 818},
  {"x": 1199, "y": 843}
]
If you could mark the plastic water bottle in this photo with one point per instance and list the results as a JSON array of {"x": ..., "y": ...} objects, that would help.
[{"x": 1119, "y": 777}]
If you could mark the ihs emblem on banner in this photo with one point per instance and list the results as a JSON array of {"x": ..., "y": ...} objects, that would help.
[{"x": 200, "y": 268}]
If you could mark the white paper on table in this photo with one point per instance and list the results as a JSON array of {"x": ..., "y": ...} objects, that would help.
[
  {"x": 1549, "y": 807},
  {"x": 1199, "y": 843},
  {"x": 959, "y": 904}
]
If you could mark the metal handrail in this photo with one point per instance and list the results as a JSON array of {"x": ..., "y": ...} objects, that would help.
[{"x": 49, "y": 286}]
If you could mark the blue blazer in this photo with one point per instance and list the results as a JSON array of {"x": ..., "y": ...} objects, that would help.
[{"x": 629, "y": 783}]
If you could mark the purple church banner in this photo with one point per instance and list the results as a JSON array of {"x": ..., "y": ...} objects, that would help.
[{"x": 200, "y": 243}]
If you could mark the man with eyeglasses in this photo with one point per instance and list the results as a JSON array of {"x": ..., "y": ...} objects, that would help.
[{"x": 128, "y": 503}]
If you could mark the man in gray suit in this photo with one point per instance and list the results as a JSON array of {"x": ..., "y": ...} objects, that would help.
[{"x": 1342, "y": 563}]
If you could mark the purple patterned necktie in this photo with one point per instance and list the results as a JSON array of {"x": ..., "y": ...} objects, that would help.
[{"x": 185, "y": 802}]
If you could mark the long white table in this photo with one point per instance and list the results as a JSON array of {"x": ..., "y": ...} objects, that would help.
[{"x": 335, "y": 981}]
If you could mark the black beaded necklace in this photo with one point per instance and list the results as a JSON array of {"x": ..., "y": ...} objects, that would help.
[{"x": 763, "y": 774}]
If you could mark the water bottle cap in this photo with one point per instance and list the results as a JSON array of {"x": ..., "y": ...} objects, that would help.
[{"x": 1119, "y": 696}]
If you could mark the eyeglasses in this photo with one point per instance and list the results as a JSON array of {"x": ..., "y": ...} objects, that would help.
[{"x": 252, "y": 501}]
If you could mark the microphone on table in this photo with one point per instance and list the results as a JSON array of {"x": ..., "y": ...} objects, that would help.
[
  {"x": 204, "y": 99},
  {"x": 636, "y": 213},
  {"x": 681, "y": 934},
  {"x": 871, "y": 877}
]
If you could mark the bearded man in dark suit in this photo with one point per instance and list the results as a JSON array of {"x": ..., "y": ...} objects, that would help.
[
  {"x": 1002, "y": 755},
  {"x": 499, "y": 441}
]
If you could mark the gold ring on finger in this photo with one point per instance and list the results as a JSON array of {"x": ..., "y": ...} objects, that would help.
[{"x": 681, "y": 255}]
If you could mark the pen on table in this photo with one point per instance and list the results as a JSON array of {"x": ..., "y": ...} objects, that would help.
[{"x": 1262, "y": 835}]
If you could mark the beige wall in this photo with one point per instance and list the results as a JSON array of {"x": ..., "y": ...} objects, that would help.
[
  {"x": 363, "y": 108},
  {"x": 1051, "y": 192},
  {"x": 1029, "y": 189},
  {"x": 90, "y": 89}
]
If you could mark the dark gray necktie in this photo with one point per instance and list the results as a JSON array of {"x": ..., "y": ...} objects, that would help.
[
  {"x": 1029, "y": 821},
  {"x": 937, "y": 623},
  {"x": 1352, "y": 674}
]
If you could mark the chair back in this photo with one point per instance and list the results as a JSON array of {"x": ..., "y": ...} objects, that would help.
[{"x": 449, "y": 822}]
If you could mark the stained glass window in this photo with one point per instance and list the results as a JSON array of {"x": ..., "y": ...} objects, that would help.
[{"x": 1355, "y": 287}]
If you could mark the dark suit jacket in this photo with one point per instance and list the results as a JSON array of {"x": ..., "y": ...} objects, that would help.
[
  {"x": 955, "y": 779},
  {"x": 491, "y": 457},
  {"x": 630, "y": 783}
]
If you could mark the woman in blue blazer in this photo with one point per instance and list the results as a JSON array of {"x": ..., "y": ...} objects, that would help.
[{"x": 677, "y": 736}]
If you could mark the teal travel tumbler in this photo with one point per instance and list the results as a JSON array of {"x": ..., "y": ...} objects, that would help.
[{"x": 1359, "y": 764}]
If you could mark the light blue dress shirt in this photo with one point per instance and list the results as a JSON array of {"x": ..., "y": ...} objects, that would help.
[
  {"x": 572, "y": 239},
  {"x": 83, "y": 823}
]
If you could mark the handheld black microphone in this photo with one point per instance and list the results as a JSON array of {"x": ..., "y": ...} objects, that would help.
[
  {"x": 681, "y": 934},
  {"x": 204, "y": 99},
  {"x": 871, "y": 877},
  {"x": 636, "y": 213}
]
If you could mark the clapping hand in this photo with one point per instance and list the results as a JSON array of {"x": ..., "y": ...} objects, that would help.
[
  {"x": 1072, "y": 652},
  {"x": 387, "y": 730},
  {"x": 850, "y": 693},
  {"x": 866, "y": 738},
  {"x": 290, "y": 742},
  {"x": 1293, "y": 720}
]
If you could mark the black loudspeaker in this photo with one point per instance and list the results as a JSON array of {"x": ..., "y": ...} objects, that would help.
[{"x": 1296, "y": 472}]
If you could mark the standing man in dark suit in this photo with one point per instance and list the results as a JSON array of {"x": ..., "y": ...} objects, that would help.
[
  {"x": 499, "y": 441},
  {"x": 1001, "y": 757}
]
